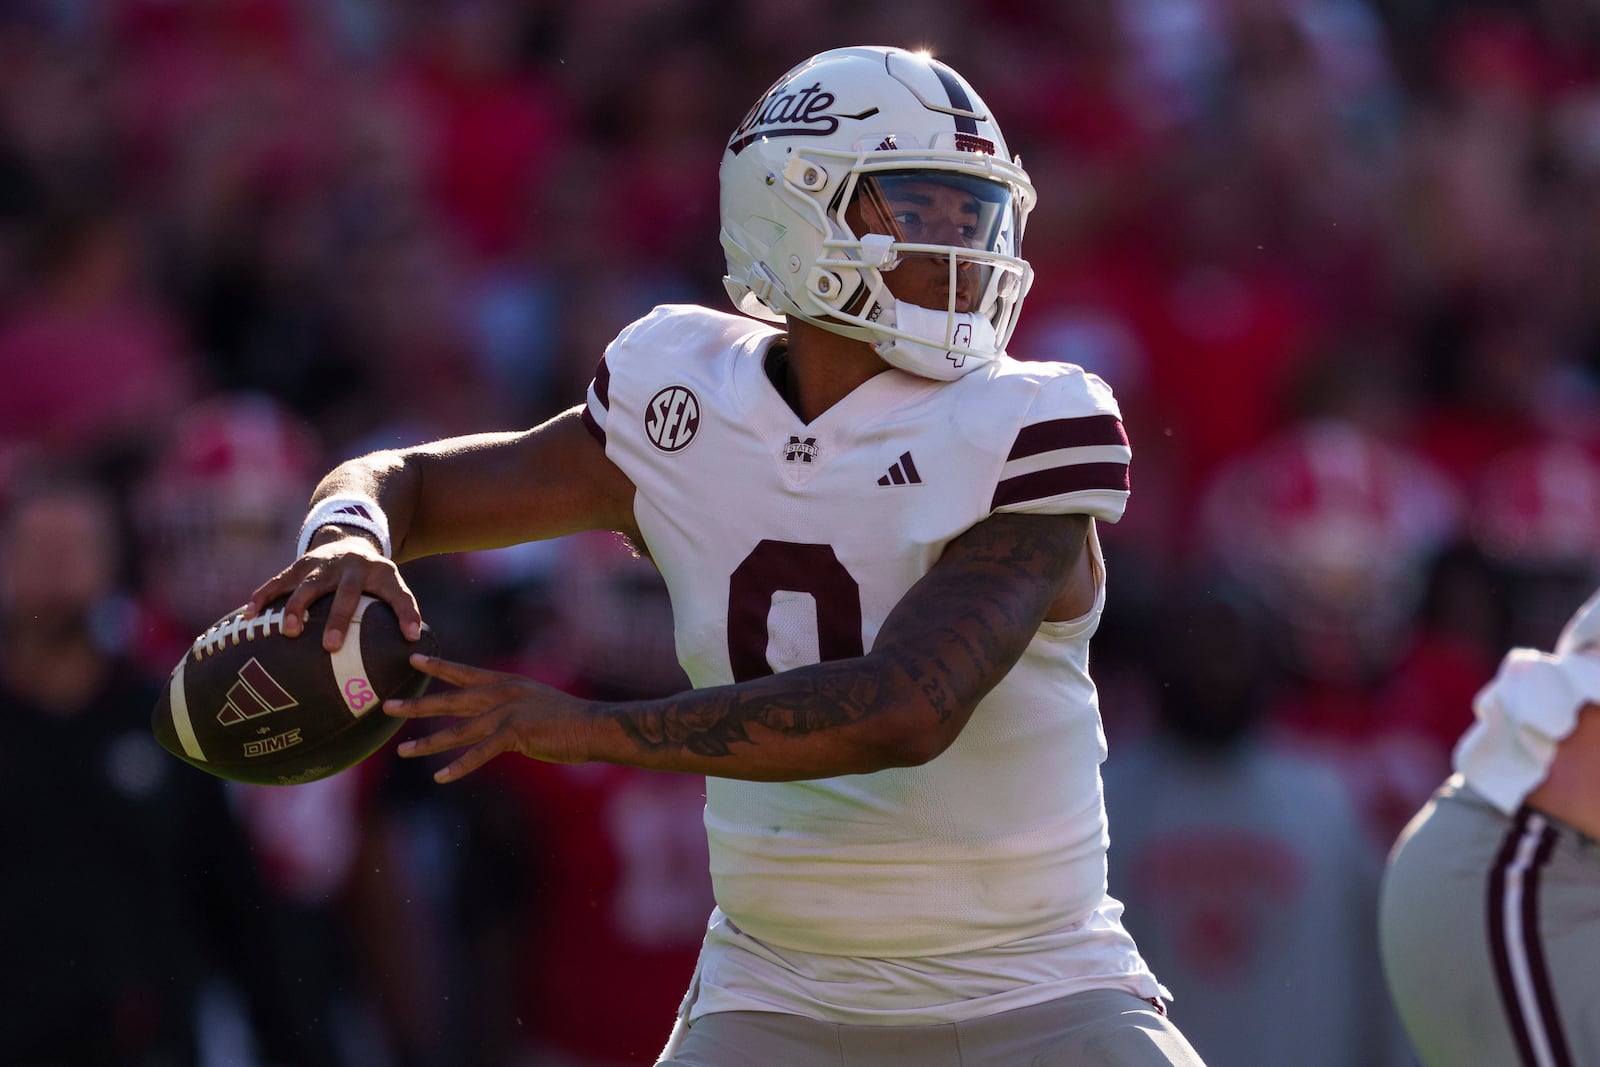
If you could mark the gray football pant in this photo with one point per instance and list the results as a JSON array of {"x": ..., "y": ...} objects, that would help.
[
  {"x": 1102, "y": 1028},
  {"x": 1490, "y": 931}
]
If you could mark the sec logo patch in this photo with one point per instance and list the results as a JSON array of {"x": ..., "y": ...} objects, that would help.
[{"x": 672, "y": 418}]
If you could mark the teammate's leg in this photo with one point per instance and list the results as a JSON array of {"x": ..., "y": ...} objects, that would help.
[
  {"x": 1431, "y": 930},
  {"x": 1489, "y": 934}
]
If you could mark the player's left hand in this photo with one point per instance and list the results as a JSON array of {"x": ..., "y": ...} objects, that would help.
[{"x": 498, "y": 712}]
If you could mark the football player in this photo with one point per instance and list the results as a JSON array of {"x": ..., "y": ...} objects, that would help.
[
  {"x": 1488, "y": 919},
  {"x": 878, "y": 533}
]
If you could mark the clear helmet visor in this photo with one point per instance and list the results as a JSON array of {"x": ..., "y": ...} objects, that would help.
[
  {"x": 940, "y": 209},
  {"x": 950, "y": 238}
]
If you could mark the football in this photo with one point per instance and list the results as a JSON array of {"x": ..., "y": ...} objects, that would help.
[{"x": 249, "y": 704}]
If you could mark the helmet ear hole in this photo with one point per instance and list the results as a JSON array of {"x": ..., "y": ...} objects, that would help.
[
  {"x": 805, "y": 174},
  {"x": 826, "y": 286}
]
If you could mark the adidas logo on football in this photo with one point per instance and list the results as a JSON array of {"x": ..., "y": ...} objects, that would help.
[
  {"x": 256, "y": 693},
  {"x": 902, "y": 473}
]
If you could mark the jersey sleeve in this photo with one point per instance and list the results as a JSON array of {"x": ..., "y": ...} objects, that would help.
[
  {"x": 597, "y": 405},
  {"x": 1070, "y": 454},
  {"x": 671, "y": 340}
]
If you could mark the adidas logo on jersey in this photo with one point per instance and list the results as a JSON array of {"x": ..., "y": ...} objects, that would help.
[{"x": 902, "y": 473}]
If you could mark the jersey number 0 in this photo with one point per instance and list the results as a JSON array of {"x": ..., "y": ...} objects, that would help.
[{"x": 774, "y": 566}]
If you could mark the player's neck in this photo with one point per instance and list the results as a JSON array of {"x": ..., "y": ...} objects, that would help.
[{"x": 817, "y": 369}]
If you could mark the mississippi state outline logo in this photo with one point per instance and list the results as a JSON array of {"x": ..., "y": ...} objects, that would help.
[
  {"x": 805, "y": 451},
  {"x": 672, "y": 418}
]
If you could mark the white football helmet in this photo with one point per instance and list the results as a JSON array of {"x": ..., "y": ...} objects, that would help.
[
  {"x": 875, "y": 123},
  {"x": 220, "y": 505}
]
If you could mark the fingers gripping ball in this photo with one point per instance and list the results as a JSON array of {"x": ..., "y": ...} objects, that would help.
[{"x": 249, "y": 704}]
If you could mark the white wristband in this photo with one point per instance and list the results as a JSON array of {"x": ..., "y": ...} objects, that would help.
[{"x": 360, "y": 512}]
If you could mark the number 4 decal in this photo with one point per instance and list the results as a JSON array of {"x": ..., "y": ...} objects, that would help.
[{"x": 774, "y": 566}]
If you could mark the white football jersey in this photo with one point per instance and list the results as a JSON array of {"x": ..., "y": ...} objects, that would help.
[{"x": 783, "y": 543}]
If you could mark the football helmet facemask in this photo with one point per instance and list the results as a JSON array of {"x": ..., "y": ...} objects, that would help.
[{"x": 856, "y": 163}]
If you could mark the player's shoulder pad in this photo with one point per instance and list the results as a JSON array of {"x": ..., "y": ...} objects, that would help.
[
  {"x": 1009, "y": 394},
  {"x": 673, "y": 344},
  {"x": 678, "y": 333},
  {"x": 1057, "y": 433}
]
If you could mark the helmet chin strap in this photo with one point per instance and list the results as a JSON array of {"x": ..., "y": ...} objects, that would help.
[{"x": 975, "y": 342}]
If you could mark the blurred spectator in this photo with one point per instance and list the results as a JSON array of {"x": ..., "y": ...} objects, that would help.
[
  {"x": 90, "y": 359},
  {"x": 1245, "y": 868},
  {"x": 1331, "y": 530},
  {"x": 20, "y": 197},
  {"x": 492, "y": 125},
  {"x": 221, "y": 506},
  {"x": 655, "y": 164},
  {"x": 134, "y": 896},
  {"x": 1534, "y": 514},
  {"x": 587, "y": 886}
]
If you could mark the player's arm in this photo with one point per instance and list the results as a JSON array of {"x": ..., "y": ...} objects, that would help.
[
  {"x": 480, "y": 491},
  {"x": 948, "y": 642},
  {"x": 1570, "y": 790}
]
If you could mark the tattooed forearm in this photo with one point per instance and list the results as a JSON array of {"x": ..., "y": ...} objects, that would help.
[
  {"x": 711, "y": 722},
  {"x": 949, "y": 641}
]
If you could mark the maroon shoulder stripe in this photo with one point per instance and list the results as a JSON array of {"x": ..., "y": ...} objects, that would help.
[
  {"x": 602, "y": 383},
  {"x": 595, "y": 429},
  {"x": 1068, "y": 433},
  {"x": 1056, "y": 481}
]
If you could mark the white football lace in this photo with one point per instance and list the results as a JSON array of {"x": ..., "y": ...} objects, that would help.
[{"x": 233, "y": 629}]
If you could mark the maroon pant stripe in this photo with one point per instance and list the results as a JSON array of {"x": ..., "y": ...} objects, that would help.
[
  {"x": 1502, "y": 939},
  {"x": 1539, "y": 970}
]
